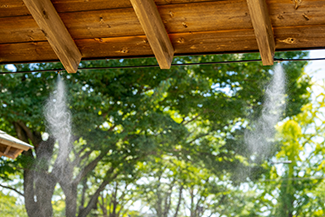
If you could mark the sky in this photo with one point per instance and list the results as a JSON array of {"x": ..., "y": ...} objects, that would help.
[
  {"x": 316, "y": 66},
  {"x": 316, "y": 69}
]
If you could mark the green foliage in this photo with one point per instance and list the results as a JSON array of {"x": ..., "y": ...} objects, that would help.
[
  {"x": 170, "y": 187},
  {"x": 297, "y": 186},
  {"x": 124, "y": 117},
  {"x": 9, "y": 206}
]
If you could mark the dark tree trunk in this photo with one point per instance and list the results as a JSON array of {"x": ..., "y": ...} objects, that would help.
[
  {"x": 70, "y": 190},
  {"x": 38, "y": 184},
  {"x": 115, "y": 203},
  {"x": 44, "y": 191},
  {"x": 114, "y": 213},
  {"x": 38, "y": 190},
  {"x": 179, "y": 200},
  {"x": 192, "y": 214},
  {"x": 102, "y": 204},
  {"x": 71, "y": 201},
  {"x": 31, "y": 205},
  {"x": 83, "y": 195},
  {"x": 94, "y": 199}
]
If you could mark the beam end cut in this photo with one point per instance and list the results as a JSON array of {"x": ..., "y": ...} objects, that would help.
[
  {"x": 56, "y": 33},
  {"x": 153, "y": 27},
  {"x": 262, "y": 29}
]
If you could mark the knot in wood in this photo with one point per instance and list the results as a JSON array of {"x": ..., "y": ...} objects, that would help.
[
  {"x": 280, "y": 17},
  {"x": 124, "y": 50},
  {"x": 181, "y": 40},
  {"x": 99, "y": 39},
  {"x": 45, "y": 14},
  {"x": 288, "y": 40}
]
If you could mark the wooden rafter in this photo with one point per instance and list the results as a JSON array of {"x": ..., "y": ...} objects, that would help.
[
  {"x": 56, "y": 33},
  {"x": 10, "y": 146},
  {"x": 7, "y": 150},
  {"x": 263, "y": 30},
  {"x": 109, "y": 29},
  {"x": 16, "y": 153},
  {"x": 153, "y": 27}
]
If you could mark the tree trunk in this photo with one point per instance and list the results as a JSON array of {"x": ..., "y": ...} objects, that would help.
[
  {"x": 71, "y": 203},
  {"x": 70, "y": 192},
  {"x": 192, "y": 214},
  {"x": 102, "y": 205},
  {"x": 179, "y": 200},
  {"x": 83, "y": 195},
  {"x": 31, "y": 205},
  {"x": 38, "y": 186},
  {"x": 115, "y": 203},
  {"x": 44, "y": 191},
  {"x": 93, "y": 200},
  {"x": 38, "y": 199}
]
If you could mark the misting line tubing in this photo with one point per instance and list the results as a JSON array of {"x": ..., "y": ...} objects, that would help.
[{"x": 176, "y": 64}]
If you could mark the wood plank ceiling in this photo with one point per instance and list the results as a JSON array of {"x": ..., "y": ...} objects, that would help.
[{"x": 121, "y": 29}]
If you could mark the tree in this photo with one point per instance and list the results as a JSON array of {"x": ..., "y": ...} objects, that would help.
[
  {"x": 296, "y": 186},
  {"x": 172, "y": 187},
  {"x": 9, "y": 206},
  {"x": 123, "y": 116},
  {"x": 117, "y": 199}
]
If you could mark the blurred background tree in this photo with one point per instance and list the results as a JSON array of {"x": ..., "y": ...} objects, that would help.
[
  {"x": 297, "y": 186},
  {"x": 125, "y": 118}
]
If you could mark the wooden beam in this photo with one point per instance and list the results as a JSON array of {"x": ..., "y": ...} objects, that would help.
[
  {"x": 153, "y": 27},
  {"x": 290, "y": 38},
  {"x": 56, "y": 33},
  {"x": 16, "y": 153},
  {"x": 263, "y": 30},
  {"x": 7, "y": 150}
]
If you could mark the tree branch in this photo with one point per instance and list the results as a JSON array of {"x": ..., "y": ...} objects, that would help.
[
  {"x": 79, "y": 159},
  {"x": 187, "y": 122},
  {"x": 198, "y": 137},
  {"x": 30, "y": 134},
  {"x": 15, "y": 190},
  {"x": 89, "y": 167},
  {"x": 102, "y": 186},
  {"x": 179, "y": 200}
]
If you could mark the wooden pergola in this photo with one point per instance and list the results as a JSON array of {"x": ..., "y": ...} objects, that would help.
[
  {"x": 71, "y": 30},
  {"x": 10, "y": 146}
]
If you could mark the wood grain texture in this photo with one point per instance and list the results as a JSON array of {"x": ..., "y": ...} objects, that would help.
[
  {"x": 153, "y": 27},
  {"x": 15, "y": 154},
  {"x": 196, "y": 43},
  {"x": 111, "y": 29},
  {"x": 9, "y": 151},
  {"x": 177, "y": 18},
  {"x": 279, "y": 10},
  {"x": 17, "y": 8},
  {"x": 56, "y": 33},
  {"x": 263, "y": 30},
  {"x": 207, "y": 16}
]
